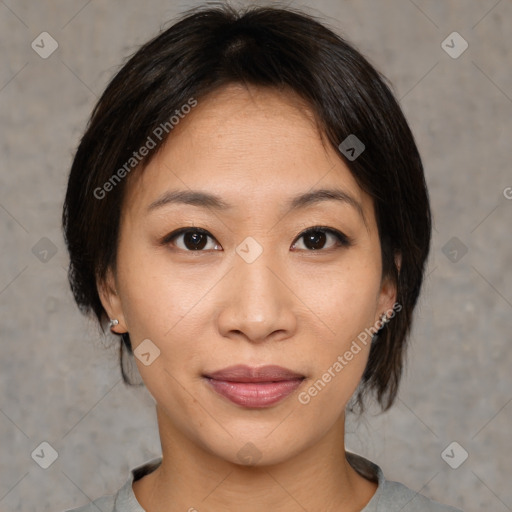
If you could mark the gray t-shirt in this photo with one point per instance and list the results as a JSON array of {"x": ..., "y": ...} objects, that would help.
[{"x": 389, "y": 497}]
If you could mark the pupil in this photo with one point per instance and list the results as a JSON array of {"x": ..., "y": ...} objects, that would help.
[
  {"x": 317, "y": 238},
  {"x": 197, "y": 240}
]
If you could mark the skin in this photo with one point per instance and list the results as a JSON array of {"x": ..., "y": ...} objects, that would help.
[{"x": 205, "y": 310}]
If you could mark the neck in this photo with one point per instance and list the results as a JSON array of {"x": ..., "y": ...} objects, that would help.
[{"x": 192, "y": 478}]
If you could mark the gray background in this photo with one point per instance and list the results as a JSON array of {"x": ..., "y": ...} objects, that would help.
[{"x": 59, "y": 379}]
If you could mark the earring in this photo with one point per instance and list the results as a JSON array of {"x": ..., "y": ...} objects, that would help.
[
  {"x": 384, "y": 319},
  {"x": 113, "y": 322}
]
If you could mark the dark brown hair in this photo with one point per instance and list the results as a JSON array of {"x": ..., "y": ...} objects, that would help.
[{"x": 211, "y": 47}]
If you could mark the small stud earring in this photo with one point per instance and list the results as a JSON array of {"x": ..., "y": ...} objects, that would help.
[
  {"x": 113, "y": 322},
  {"x": 383, "y": 321}
]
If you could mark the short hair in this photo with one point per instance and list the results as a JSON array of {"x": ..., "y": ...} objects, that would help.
[{"x": 284, "y": 49}]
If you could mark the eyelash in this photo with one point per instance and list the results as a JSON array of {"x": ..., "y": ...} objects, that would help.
[{"x": 342, "y": 239}]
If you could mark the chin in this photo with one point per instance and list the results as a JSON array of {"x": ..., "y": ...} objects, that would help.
[{"x": 256, "y": 451}]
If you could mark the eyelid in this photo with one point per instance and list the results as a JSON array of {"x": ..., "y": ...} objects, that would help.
[
  {"x": 343, "y": 239},
  {"x": 167, "y": 239}
]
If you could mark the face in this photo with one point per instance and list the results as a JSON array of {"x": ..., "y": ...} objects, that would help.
[{"x": 269, "y": 272}]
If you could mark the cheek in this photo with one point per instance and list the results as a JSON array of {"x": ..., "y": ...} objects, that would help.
[
  {"x": 345, "y": 299},
  {"x": 156, "y": 296},
  {"x": 161, "y": 303}
]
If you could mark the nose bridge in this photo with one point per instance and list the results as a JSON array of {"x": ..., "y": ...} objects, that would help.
[
  {"x": 257, "y": 286},
  {"x": 255, "y": 277},
  {"x": 257, "y": 303}
]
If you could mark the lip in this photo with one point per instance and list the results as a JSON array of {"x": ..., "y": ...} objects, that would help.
[{"x": 255, "y": 387}]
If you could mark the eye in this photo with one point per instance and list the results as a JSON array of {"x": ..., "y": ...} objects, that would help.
[
  {"x": 190, "y": 239},
  {"x": 316, "y": 237}
]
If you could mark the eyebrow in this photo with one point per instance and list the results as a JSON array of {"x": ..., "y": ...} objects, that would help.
[{"x": 208, "y": 200}]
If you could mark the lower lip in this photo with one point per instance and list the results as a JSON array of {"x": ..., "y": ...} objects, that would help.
[{"x": 255, "y": 394}]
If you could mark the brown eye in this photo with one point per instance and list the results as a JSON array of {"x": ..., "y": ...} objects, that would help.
[
  {"x": 317, "y": 237},
  {"x": 190, "y": 239}
]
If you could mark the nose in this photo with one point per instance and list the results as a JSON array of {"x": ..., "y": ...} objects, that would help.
[{"x": 258, "y": 303}]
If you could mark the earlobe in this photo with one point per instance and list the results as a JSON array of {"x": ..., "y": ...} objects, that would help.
[
  {"x": 388, "y": 295},
  {"x": 111, "y": 301},
  {"x": 388, "y": 292}
]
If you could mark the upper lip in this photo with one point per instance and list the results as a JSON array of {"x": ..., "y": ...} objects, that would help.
[{"x": 244, "y": 373}]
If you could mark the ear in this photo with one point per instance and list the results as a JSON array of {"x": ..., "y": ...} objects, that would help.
[
  {"x": 388, "y": 292},
  {"x": 111, "y": 301}
]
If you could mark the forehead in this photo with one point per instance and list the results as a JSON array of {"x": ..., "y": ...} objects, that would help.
[{"x": 249, "y": 146}]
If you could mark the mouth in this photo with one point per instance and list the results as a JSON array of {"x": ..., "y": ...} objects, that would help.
[{"x": 254, "y": 387}]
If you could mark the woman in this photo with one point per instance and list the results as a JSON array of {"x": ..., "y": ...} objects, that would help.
[{"x": 248, "y": 208}]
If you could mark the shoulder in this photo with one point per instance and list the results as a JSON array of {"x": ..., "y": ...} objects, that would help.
[
  {"x": 396, "y": 496},
  {"x": 393, "y": 496},
  {"x": 124, "y": 500}
]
